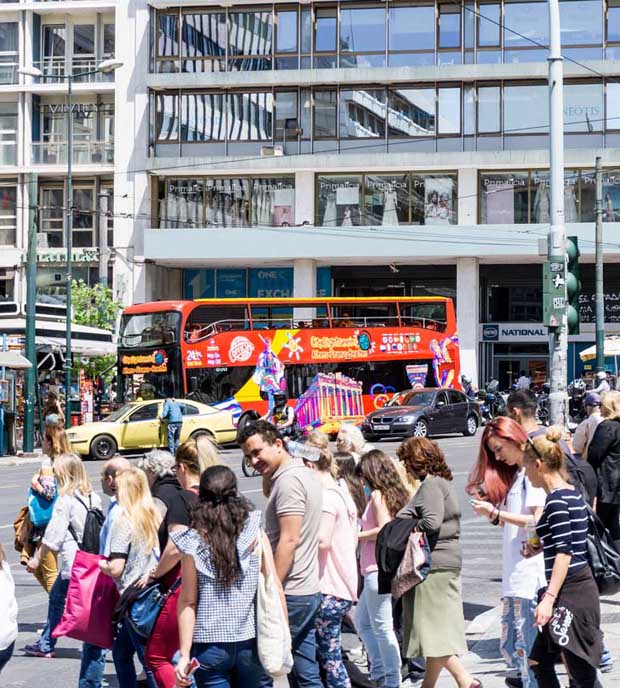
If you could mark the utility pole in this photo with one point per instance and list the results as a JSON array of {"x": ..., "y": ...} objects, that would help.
[
  {"x": 30, "y": 395},
  {"x": 69, "y": 244},
  {"x": 558, "y": 336},
  {"x": 599, "y": 292}
]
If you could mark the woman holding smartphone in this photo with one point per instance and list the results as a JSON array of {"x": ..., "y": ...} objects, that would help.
[
  {"x": 506, "y": 497},
  {"x": 568, "y": 614}
]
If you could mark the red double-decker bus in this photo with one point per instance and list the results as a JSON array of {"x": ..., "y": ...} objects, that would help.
[{"x": 340, "y": 358}]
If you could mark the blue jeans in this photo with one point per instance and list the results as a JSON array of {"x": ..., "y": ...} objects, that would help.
[
  {"x": 375, "y": 626},
  {"x": 92, "y": 666},
  {"x": 126, "y": 645},
  {"x": 174, "y": 433},
  {"x": 5, "y": 655},
  {"x": 517, "y": 636},
  {"x": 226, "y": 664},
  {"x": 302, "y": 611},
  {"x": 55, "y": 609}
]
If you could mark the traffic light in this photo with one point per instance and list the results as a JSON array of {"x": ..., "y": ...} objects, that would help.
[{"x": 573, "y": 284}]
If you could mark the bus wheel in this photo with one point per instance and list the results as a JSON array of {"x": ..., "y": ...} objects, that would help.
[
  {"x": 103, "y": 447},
  {"x": 420, "y": 429},
  {"x": 248, "y": 470}
]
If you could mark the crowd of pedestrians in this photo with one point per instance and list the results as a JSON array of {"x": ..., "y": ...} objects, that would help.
[{"x": 326, "y": 543}]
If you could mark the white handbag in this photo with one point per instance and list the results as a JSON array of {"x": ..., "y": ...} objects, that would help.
[{"x": 273, "y": 636}]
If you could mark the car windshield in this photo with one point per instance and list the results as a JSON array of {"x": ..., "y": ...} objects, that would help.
[
  {"x": 119, "y": 413},
  {"x": 411, "y": 399}
]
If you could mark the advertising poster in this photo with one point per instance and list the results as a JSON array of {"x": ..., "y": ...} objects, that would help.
[{"x": 439, "y": 201}]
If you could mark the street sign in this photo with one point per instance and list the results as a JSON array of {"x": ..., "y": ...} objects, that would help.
[{"x": 554, "y": 291}]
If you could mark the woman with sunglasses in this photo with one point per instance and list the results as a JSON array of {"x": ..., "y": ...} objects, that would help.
[{"x": 506, "y": 497}]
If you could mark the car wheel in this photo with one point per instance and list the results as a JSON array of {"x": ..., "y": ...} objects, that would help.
[
  {"x": 471, "y": 425},
  {"x": 199, "y": 433},
  {"x": 420, "y": 429},
  {"x": 103, "y": 447}
]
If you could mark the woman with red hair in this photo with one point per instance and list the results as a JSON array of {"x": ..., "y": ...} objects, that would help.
[{"x": 503, "y": 494}]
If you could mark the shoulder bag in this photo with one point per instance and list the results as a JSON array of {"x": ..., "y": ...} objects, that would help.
[
  {"x": 147, "y": 605},
  {"x": 40, "y": 508},
  {"x": 604, "y": 558},
  {"x": 273, "y": 636}
]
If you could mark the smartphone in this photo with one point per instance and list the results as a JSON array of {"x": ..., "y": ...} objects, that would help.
[{"x": 191, "y": 667}]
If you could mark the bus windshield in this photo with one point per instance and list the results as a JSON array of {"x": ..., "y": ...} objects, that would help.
[{"x": 150, "y": 329}]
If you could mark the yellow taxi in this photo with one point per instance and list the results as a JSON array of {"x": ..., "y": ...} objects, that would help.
[{"x": 137, "y": 426}]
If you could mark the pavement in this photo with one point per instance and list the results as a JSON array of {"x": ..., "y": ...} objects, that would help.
[{"x": 481, "y": 579}]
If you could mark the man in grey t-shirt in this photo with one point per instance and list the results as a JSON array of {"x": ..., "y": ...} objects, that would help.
[{"x": 292, "y": 520}]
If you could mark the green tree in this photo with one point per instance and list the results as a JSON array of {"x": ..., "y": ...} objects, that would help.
[{"x": 95, "y": 307}]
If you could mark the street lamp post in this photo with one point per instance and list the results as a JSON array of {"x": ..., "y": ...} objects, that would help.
[{"x": 104, "y": 67}]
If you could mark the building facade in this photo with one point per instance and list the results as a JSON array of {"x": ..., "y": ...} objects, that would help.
[{"x": 317, "y": 147}]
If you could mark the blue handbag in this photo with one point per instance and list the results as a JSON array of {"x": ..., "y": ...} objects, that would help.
[
  {"x": 40, "y": 508},
  {"x": 146, "y": 607}
]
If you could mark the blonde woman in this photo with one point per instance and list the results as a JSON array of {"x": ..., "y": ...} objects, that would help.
[
  {"x": 133, "y": 552},
  {"x": 63, "y": 532},
  {"x": 604, "y": 457},
  {"x": 350, "y": 439}
]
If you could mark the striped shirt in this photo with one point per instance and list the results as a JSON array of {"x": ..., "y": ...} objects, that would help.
[{"x": 563, "y": 529}]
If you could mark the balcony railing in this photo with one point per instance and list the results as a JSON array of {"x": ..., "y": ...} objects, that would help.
[
  {"x": 84, "y": 153},
  {"x": 8, "y": 72},
  {"x": 55, "y": 69},
  {"x": 8, "y": 153}
]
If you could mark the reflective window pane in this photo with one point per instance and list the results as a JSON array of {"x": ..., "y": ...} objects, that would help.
[
  {"x": 203, "y": 117},
  {"x": 504, "y": 198},
  {"x": 8, "y": 215},
  {"x": 203, "y": 35},
  {"x": 109, "y": 39},
  {"x": 286, "y": 31},
  {"x": 489, "y": 21},
  {"x": 287, "y": 121},
  {"x": 583, "y": 107},
  {"x": 250, "y": 116},
  {"x": 526, "y": 109},
  {"x": 412, "y": 112},
  {"x": 325, "y": 30},
  {"x": 362, "y": 114},
  {"x": 167, "y": 35},
  {"x": 449, "y": 26},
  {"x": 412, "y": 28},
  {"x": 386, "y": 200},
  {"x": 227, "y": 202},
  {"x": 84, "y": 40},
  {"x": 613, "y": 105},
  {"x": 273, "y": 202},
  {"x": 449, "y": 111},
  {"x": 166, "y": 117},
  {"x": 434, "y": 199},
  {"x": 338, "y": 201},
  {"x": 613, "y": 24},
  {"x": 325, "y": 114},
  {"x": 184, "y": 203},
  {"x": 250, "y": 33},
  {"x": 362, "y": 29},
  {"x": 489, "y": 108},
  {"x": 581, "y": 22},
  {"x": 530, "y": 19}
]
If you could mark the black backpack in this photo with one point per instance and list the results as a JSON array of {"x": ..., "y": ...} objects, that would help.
[
  {"x": 92, "y": 528},
  {"x": 603, "y": 557}
]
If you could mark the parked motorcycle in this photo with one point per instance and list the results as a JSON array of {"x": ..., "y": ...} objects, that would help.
[
  {"x": 542, "y": 410},
  {"x": 576, "y": 397},
  {"x": 492, "y": 403}
]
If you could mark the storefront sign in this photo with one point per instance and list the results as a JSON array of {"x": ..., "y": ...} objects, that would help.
[
  {"x": 513, "y": 332},
  {"x": 587, "y": 307},
  {"x": 140, "y": 364},
  {"x": 78, "y": 255}
]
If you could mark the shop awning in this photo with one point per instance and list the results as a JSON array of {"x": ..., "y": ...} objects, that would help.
[
  {"x": 50, "y": 336},
  {"x": 612, "y": 349},
  {"x": 14, "y": 360}
]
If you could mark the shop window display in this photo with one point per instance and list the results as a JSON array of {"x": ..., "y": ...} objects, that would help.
[
  {"x": 273, "y": 202},
  {"x": 339, "y": 201}
]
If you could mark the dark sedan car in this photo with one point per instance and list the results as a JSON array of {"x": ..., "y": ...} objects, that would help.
[{"x": 421, "y": 413}]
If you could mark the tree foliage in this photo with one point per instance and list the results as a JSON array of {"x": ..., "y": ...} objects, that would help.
[{"x": 94, "y": 306}]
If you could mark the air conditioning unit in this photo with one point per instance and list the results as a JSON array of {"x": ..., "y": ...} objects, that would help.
[{"x": 271, "y": 151}]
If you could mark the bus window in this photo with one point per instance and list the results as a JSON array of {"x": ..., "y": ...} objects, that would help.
[
  {"x": 211, "y": 385},
  {"x": 430, "y": 316},
  {"x": 150, "y": 329},
  {"x": 272, "y": 318},
  {"x": 365, "y": 315},
  {"x": 205, "y": 321}
]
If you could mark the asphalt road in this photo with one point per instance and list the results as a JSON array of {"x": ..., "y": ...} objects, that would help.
[{"x": 481, "y": 545}]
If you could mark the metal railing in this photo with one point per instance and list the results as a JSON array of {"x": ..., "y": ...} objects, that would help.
[
  {"x": 55, "y": 69},
  {"x": 84, "y": 153}
]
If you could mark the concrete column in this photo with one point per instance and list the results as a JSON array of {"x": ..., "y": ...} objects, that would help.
[
  {"x": 131, "y": 186},
  {"x": 468, "y": 196},
  {"x": 304, "y": 285},
  {"x": 468, "y": 314},
  {"x": 304, "y": 197}
]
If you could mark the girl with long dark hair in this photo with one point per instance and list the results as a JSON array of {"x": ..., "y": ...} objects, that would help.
[
  {"x": 373, "y": 615},
  {"x": 505, "y": 496},
  {"x": 220, "y": 567}
]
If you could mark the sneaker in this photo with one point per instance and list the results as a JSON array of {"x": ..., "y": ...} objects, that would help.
[
  {"x": 34, "y": 651},
  {"x": 514, "y": 682}
]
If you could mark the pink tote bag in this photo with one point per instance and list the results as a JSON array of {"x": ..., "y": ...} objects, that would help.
[{"x": 91, "y": 599}]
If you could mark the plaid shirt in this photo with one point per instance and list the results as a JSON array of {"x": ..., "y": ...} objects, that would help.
[{"x": 224, "y": 615}]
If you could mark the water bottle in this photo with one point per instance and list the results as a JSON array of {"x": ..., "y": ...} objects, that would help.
[{"x": 306, "y": 452}]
